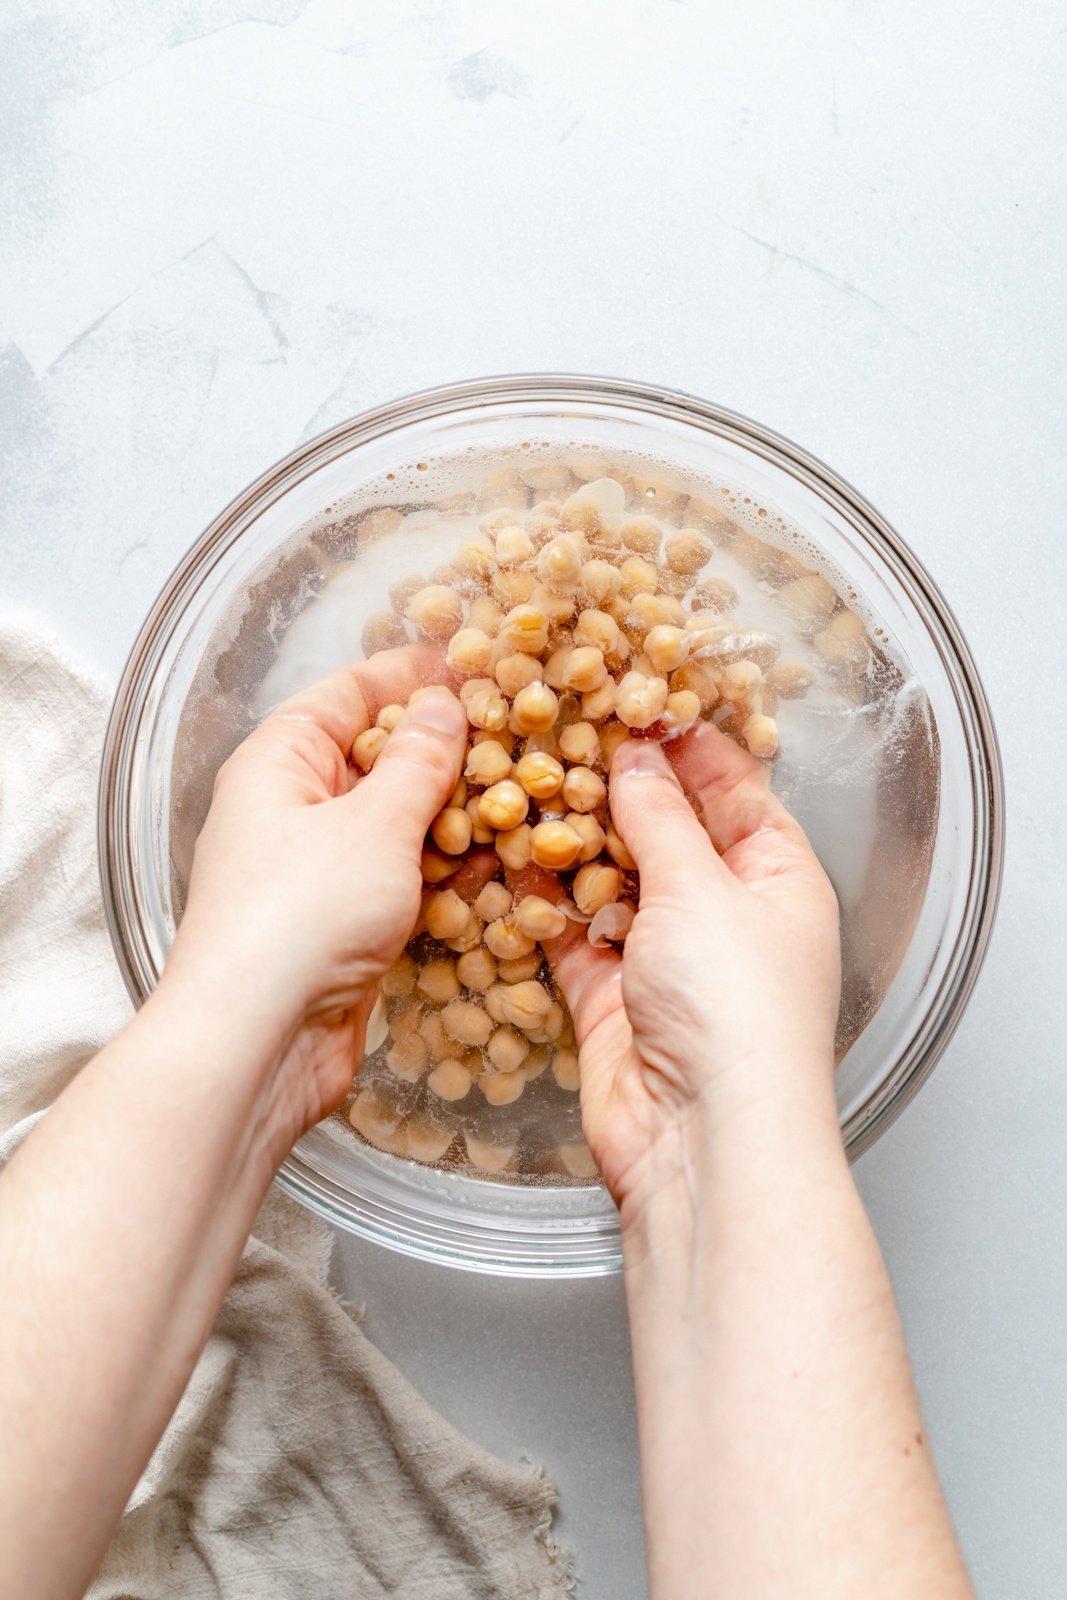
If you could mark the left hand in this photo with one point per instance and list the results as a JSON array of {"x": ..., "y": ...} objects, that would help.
[{"x": 306, "y": 882}]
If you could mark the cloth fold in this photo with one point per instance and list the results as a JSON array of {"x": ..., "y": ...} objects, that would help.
[{"x": 299, "y": 1462}]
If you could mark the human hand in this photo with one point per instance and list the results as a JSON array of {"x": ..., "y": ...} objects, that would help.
[
  {"x": 725, "y": 998},
  {"x": 306, "y": 881}
]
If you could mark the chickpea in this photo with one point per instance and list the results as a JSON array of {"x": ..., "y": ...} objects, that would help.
[
  {"x": 697, "y": 679},
  {"x": 521, "y": 969},
  {"x": 559, "y": 562},
  {"x": 551, "y": 1026},
  {"x": 584, "y": 669},
  {"x": 740, "y": 680},
  {"x": 436, "y": 866},
  {"x": 466, "y": 1022},
  {"x": 399, "y": 979},
  {"x": 536, "y": 1062},
  {"x": 686, "y": 552},
  {"x": 600, "y": 580},
  {"x": 540, "y": 774},
  {"x": 843, "y": 642},
  {"x": 450, "y": 1080},
  {"x": 451, "y": 830},
  {"x": 682, "y": 708},
  {"x": 477, "y": 969},
  {"x": 383, "y": 631},
  {"x": 436, "y": 611},
  {"x": 513, "y": 586},
  {"x": 525, "y": 628},
  {"x": 469, "y": 938},
  {"x": 514, "y": 846},
  {"x": 496, "y": 520},
  {"x": 810, "y": 599},
  {"x": 581, "y": 743},
  {"x": 578, "y": 1159},
  {"x": 667, "y": 648},
  {"x": 539, "y": 919},
  {"x": 617, "y": 850},
  {"x": 406, "y": 1019},
  {"x": 388, "y": 717},
  {"x": 438, "y": 981},
  {"x": 590, "y": 831},
  {"x": 516, "y": 671},
  {"x": 507, "y": 1049},
  {"x": 543, "y": 522},
  {"x": 638, "y": 577},
  {"x": 485, "y": 614},
  {"x": 657, "y": 611},
  {"x": 594, "y": 886},
  {"x": 513, "y": 544},
  {"x": 600, "y": 630},
  {"x": 473, "y": 560},
  {"x": 507, "y": 939},
  {"x": 534, "y": 709},
  {"x": 555, "y": 668},
  {"x": 375, "y": 1119},
  {"x": 503, "y": 805},
  {"x": 469, "y": 651},
  {"x": 493, "y": 1000},
  {"x": 487, "y": 763},
  {"x": 639, "y": 662},
  {"x": 367, "y": 747},
  {"x": 494, "y": 901},
  {"x": 480, "y": 834},
  {"x": 715, "y": 595},
  {"x": 486, "y": 1156},
  {"x": 760, "y": 733},
  {"x": 426, "y": 1142},
  {"x": 673, "y": 584},
  {"x": 639, "y": 700},
  {"x": 600, "y": 703},
  {"x": 525, "y": 1005},
  {"x": 499, "y": 736},
  {"x": 584, "y": 790},
  {"x": 404, "y": 590},
  {"x": 435, "y": 1036},
  {"x": 501, "y": 1088},
  {"x": 791, "y": 679},
  {"x": 549, "y": 479},
  {"x": 487, "y": 708},
  {"x": 565, "y": 1070},
  {"x": 446, "y": 914},
  {"x": 596, "y": 508},
  {"x": 407, "y": 1058},
  {"x": 555, "y": 845}
]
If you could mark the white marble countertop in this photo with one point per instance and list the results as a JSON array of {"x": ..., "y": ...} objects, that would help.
[{"x": 228, "y": 224}]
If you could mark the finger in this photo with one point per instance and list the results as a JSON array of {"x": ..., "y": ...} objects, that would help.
[
  {"x": 415, "y": 773},
  {"x": 477, "y": 869},
  {"x": 658, "y": 825},
  {"x": 347, "y": 702},
  {"x": 747, "y": 824},
  {"x": 585, "y": 974}
]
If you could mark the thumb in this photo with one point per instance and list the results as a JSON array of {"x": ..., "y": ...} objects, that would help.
[
  {"x": 415, "y": 773},
  {"x": 658, "y": 825}
]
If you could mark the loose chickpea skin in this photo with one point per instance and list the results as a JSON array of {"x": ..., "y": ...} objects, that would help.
[
  {"x": 399, "y": 979},
  {"x": 760, "y": 733},
  {"x": 368, "y": 746},
  {"x": 501, "y": 1088},
  {"x": 590, "y": 831},
  {"x": 487, "y": 763},
  {"x": 540, "y": 774},
  {"x": 581, "y": 743},
  {"x": 438, "y": 981},
  {"x": 436, "y": 611},
  {"x": 555, "y": 845},
  {"x": 520, "y": 970},
  {"x": 493, "y": 901},
  {"x": 466, "y": 1022},
  {"x": 538, "y": 918},
  {"x": 533, "y": 709},
  {"x": 507, "y": 940},
  {"x": 451, "y": 830},
  {"x": 584, "y": 669},
  {"x": 565, "y": 1070},
  {"x": 504, "y": 805},
  {"x": 487, "y": 708},
  {"x": 525, "y": 1005},
  {"x": 639, "y": 700},
  {"x": 477, "y": 969},
  {"x": 525, "y": 628},
  {"x": 407, "y": 1057},
  {"x": 388, "y": 717},
  {"x": 584, "y": 790},
  {"x": 514, "y": 846},
  {"x": 480, "y": 834},
  {"x": 446, "y": 914},
  {"x": 507, "y": 1049},
  {"x": 514, "y": 672},
  {"x": 595, "y": 886},
  {"x": 450, "y": 1080},
  {"x": 470, "y": 651}
]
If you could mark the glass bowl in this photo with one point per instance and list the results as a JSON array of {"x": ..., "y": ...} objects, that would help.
[{"x": 914, "y": 849}]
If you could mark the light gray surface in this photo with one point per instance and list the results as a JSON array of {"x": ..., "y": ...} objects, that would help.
[{"x": 228, "y": 225}]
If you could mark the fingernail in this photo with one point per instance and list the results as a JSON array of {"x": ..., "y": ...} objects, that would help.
[
  {"x": 440, "y": 710},
  {"x": 638, "y": 755}
]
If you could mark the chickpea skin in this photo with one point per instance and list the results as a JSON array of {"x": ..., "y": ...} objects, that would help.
[
  {"x": 487, "y": 708},
  {"x": 525, "y": 1005},
  {"x": 555, "y": 845},
  {"x": 504, "y": 805}
]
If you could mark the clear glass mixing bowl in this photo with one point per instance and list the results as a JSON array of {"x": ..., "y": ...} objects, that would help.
[{"x": 928, "y": 855}]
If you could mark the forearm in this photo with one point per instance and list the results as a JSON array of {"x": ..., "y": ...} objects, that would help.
[
  {"x": 783, "y": 1451},
  {"x": 122, "y": 1219}
]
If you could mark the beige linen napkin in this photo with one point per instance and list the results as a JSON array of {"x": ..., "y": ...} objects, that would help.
[{"x": 299, "y": 1462}]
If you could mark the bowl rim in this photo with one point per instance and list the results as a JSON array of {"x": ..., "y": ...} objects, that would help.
[{"x": 945, "y": 1006}]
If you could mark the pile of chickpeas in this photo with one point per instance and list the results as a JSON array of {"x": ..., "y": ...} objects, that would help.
[{"x": 566, "y": 628}]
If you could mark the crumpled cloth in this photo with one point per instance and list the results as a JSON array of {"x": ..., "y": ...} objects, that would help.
[{"x": 299, "y": 1463}]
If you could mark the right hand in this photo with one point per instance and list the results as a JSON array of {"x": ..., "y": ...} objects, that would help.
[{"x": 725, "y": 999}]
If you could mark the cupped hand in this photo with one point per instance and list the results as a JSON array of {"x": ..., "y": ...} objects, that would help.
[
  {"x": 306, "y": 880},
  {"x": 725, "y": 999}
]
